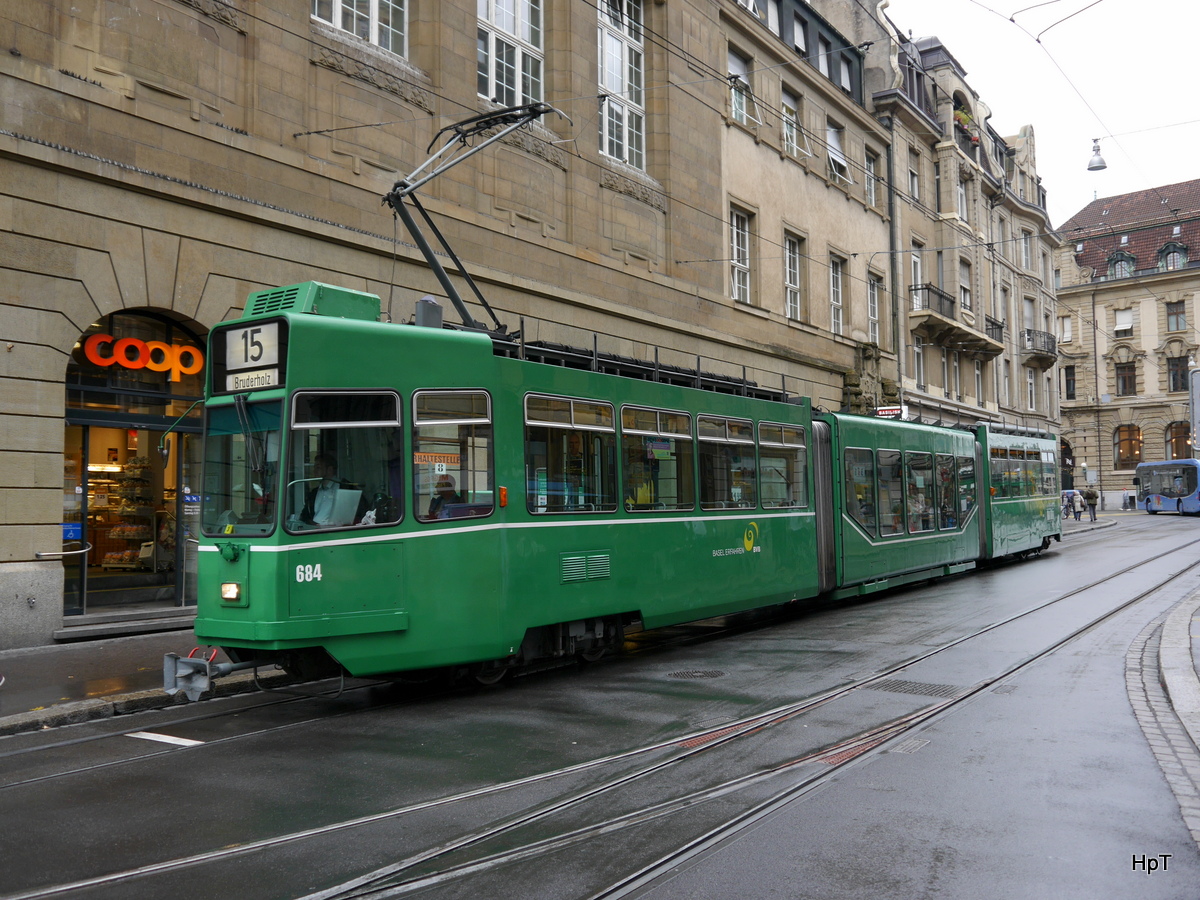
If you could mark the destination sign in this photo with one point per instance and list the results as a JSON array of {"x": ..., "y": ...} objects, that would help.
[
  {"x": 252, "y": 381},
  {"x": 252, "y": 347}
]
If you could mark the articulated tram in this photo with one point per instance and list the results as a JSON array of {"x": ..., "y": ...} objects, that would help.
[{"x": 380, "y": 497}]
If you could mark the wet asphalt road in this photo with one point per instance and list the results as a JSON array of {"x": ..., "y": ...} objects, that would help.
[{"x": 1039, "y": 784}]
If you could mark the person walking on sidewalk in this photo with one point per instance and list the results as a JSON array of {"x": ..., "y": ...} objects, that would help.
[
  {"x": 1090, "y": 495},
  {"x": 1077, "y": 504}
]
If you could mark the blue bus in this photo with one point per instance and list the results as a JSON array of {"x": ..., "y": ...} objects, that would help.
[{"x": 1169, "y": 486}]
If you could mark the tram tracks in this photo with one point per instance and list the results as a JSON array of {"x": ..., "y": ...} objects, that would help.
[{"x": 474, "y": 853}]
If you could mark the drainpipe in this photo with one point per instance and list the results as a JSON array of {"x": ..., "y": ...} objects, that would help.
[{"x": 900, "y": 348}]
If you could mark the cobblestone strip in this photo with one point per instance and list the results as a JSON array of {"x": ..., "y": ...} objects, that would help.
[{"x": 1170, "y": 741}]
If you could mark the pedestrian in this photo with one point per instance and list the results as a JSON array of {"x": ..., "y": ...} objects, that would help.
[
  {"x": 1090, "y": 495},
  {"x": 1077, "y": 505},
  {"x": 1125, "y": 499}
]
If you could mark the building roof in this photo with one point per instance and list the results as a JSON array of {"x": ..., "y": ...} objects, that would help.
[{"x": 1140, "y": 223}]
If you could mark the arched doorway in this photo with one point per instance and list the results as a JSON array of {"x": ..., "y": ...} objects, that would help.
[
  {"x": 1066, "y": 463},
  {"x": 128, "y": 513}
]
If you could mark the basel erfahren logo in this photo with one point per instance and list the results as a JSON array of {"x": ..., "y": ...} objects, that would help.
[{"x": 750, "y": 537}]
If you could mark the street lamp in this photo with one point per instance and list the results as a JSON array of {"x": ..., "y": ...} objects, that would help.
[{"x": 1097, "y": 162}]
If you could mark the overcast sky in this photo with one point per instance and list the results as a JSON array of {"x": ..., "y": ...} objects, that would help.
[{"x": 1125, "y": 71}]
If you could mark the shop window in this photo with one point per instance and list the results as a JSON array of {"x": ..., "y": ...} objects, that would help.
[
  {"x": 1127, "y": 446},
  {"x": 1179, "y": 440}
]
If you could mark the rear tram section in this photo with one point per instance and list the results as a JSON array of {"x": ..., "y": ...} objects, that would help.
[
  {"x": 1172, "y": 486},
  {"x": 381, "y": 497}
]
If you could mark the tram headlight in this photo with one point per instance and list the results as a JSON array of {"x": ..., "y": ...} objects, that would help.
[{"x": 231, "y": 591}]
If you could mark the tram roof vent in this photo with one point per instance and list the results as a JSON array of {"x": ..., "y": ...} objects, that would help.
[{"x": 315, "y": 298}]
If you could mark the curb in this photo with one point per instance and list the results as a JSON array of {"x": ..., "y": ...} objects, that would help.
[
  {"x": 81, "y": 711},
  {"x": 1178, "y": 668}
]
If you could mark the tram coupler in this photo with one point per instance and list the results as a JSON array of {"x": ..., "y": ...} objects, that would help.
[{"x": 193, "y": 674}]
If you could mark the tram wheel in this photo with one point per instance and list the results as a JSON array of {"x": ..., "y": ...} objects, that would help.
[
  {"x": 489, "y": 675},
  {"x": 592, "y": 654}
]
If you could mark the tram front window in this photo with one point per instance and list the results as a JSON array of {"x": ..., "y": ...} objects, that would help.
[{"x": 241, "y": 468}]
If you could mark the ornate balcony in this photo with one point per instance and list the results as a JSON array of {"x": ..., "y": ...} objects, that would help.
[
  {"x": 1038, "y": 348},
  {"x": 935, "y": 314}
]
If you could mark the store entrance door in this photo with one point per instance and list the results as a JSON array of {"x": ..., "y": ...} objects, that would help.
[{"x": 135, "y": 514}]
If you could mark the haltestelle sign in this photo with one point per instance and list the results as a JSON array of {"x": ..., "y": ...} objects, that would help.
[{"x": 134, "y": 353}]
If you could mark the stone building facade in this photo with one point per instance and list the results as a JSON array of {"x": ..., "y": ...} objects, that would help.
[
  {"x": 718, "y": 189},
  {"x": 973, "y": 249},
  {"x": 1126, "y": 332}
]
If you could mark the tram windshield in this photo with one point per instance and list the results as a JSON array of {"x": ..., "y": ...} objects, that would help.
[{"x": 241, "y": 467}]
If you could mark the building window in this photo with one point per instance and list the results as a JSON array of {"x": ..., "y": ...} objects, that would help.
[
  {"x": 946, "y": 371},
  {"x": 915, "y": 276},
  {"x": 837, "y": 269},
  {"x": 825, "y": 51},
  {"x": 800, "y": 36},
  {"x": 1064, "y": 329},
  {"x": 1026, "y": 250},
  {"x": 871, "y": 178},
  {"x": 1177, "y": 373},
  {"x": 1179, "y": 440},
  {"x": 1123, "y": 323},
  {"x": 509, "y": 59},
  {"x": 956, "y": 374},
  {"x": 874, "y": 289},
  {"x": 1127, "y": 446},
  {"x": 793, "y": 251},
  {"x": 919, "y": 361},
  {"x": 979, "y": 382},
  {"x": 1126, "y": 374},
  {"x": 1030, "y": 389},
  {"x": 964, "y": 284},
  {"x": 795, "y": 142},
  {"x": 839, "y": 169},
  {"x": 1176, "y": 316},
  {"x": 914, "y": 176},
  {"x": 1068, "y": 382},
  {"x": 739, "y": 255},
  {"x": 844, "y": 74},
  {"x": 962, "y": 201},
  {"x": 1173, "y": 256},
  {"x": 622, "y": 74},
  {"x": 739, "y": 89},
  {"x": 380, "y": 22},
  {"x": 1120, "y": 265}
]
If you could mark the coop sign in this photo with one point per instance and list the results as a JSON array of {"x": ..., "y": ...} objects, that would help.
[{"x": 134, "y": 353}]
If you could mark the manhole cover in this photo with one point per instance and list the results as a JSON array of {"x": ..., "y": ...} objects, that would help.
[{"x": 698, "y": 673}]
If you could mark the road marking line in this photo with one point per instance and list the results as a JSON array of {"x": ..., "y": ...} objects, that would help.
[{"x": 164, "y": 738}]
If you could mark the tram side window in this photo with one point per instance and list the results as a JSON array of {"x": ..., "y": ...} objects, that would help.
[
  {"x": 570, "y": 455},
  {"x": 658, "y": 459},
  {"x": 1049, "y": 486},
  {"x": 919, "y": 478},
  {"x": 860, "y": 488},
  {"x": 782, "y": 465},
  {"x": 891, "y": 492},
  {"x": 1002, "y": 476},
  {"x": 966, "y": 487},
  {"x": 727, "y": 469},
  {"x": 452, "y": 455},
  {"x": 945, "y": 491},
  {"x": 344, "y": 461}
]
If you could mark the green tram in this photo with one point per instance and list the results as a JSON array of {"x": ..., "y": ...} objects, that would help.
[{"x": 379, "y": 497}]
